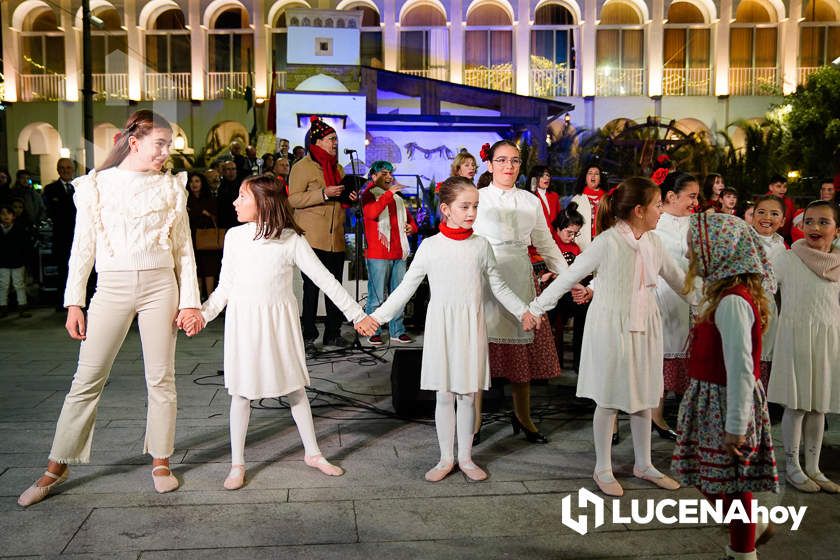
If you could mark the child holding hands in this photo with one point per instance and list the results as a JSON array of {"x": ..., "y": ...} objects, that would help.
[
  {"x": 459, "y": 265},
  {"x": 264, "y": 349}
]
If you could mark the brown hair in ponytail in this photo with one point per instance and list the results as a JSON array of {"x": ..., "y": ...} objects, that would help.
[
  {"x": 138, "y": 125},
  {"x": 618, "y": 203}
]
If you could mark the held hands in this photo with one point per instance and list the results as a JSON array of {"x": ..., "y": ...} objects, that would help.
[
  {"x": 75, "y": 324},
  {"x": 530, "y": 322},
  {"x": 581, "y": 294},
  {"x": 190, "y": 321},
  {"x": 732, "y": 442},
  {"x": 367, "y": 326}
]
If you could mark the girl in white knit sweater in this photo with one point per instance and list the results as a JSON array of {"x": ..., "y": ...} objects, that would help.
[
  {"x": 132, "y": 222},
  {"x": 264, "y": 352}
]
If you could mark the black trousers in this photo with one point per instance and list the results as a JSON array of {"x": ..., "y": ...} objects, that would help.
[
  {"x": 567, "y": 309},
  {"x": 334, "y": 262}
]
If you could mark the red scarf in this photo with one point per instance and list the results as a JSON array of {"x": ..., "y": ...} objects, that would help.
[
  {"x": 328, "y": 163},
  {"x": 458, "y": 234},
  {"x": 593, "y": 194}
]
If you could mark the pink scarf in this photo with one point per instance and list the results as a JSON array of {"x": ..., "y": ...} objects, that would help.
[
  {"x": 644, "y": 274},
  {"x": 824, "y": 265}
]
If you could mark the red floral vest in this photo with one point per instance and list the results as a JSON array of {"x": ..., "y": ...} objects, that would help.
[{"x": 705, "y": 360}]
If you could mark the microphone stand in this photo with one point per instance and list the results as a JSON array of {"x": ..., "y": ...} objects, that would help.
[{"x": 358, "y": 235}]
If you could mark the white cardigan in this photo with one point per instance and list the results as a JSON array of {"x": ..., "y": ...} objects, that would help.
[{"x": 128, "y": 220}]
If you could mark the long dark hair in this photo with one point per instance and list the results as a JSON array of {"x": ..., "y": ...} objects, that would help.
[
  {"x": 273, "y": 211},
  {"x": 709, "y": 184},
  {"x": 205, "y": 186},
  {"x": 138, "y": 125},
  {"x": 619, "y": 203},
  {"x": 534, "y": 176},
  {"x": 581, "y": 180}
]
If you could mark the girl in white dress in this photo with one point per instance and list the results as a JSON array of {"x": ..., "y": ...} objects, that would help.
[
  {"x": 768, "y": 218},
  {"x": 459, "y": 265},
  {"x": 680, "y": 192},
  {"x": 621, "y": 358},
  {"x": 264, "y": 351},
  {"x": 806, "y": 359}
]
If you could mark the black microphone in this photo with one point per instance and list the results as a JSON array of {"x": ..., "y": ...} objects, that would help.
[{"x": 349, "y": 151}]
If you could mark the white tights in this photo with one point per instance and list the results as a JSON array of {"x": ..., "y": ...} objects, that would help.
[
  {"x": 240, "y": 414},
  {"x": 446, "y": 425},
  {"x": 602, "y": 428},
  {"x": 795, "y": 425}
]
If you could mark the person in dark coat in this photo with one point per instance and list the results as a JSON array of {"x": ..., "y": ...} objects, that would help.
[{"x": 61, "y": 210}]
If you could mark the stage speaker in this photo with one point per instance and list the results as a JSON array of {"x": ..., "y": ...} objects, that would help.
[{"x": 411, "y": 401}]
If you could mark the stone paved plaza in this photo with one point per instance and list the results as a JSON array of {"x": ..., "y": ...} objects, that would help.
[{"x": 382, "y": 507}]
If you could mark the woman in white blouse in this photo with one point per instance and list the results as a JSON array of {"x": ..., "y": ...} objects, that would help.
[{"x": 132, "y": 221}]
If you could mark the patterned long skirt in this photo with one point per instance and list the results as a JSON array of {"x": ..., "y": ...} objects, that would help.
[
  {"x": 675, "y": 374},
  {"x": 701, "y": 460}
]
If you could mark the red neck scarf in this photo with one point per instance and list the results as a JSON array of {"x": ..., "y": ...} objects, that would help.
[
  {"x": 592, "y": 193},
  {"x": 328, "y": 163},
  {"x": 458, "y": 234}
]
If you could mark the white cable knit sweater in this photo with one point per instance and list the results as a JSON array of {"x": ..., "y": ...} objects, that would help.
[{"x": 128, "y": 220}]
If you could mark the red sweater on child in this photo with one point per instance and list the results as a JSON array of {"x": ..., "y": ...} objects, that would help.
[{"x": 371, "y": 209}]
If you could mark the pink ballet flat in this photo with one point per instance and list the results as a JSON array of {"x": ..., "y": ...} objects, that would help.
[
  {"x": 35, "y": 493},
  {"x": 439, "y": 472},
  {"x": 235, "y": 478},
  {"x": 609, "y": 488},
  {"x": 473, "y": 472},
  {"x": 164, "y": 483},
  {"x": 663, "y": 481},
  {"x": 320, "y": 463}
]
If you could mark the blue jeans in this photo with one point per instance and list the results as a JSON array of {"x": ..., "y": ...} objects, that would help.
[{"x": 382, "y": 274}]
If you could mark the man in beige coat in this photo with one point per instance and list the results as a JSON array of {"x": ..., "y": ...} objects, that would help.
[{"x": 314, "y": 189}]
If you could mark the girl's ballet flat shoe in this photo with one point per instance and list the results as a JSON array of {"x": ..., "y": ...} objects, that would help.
[
  {"x": 473, "y": 473},
  {"x": 235, "y": 478},
  {"x": 164, "y": 483},
  {"x": 320, "y": 463},
  {"x": 439, "y": 472},
  {"x": 35, "y": 493},
  {"x": 808, "y": 486},
  {"x": 826, "y": 485},
  {"x": 664, "y": 481},
  {"x": 609, "y": 488}
]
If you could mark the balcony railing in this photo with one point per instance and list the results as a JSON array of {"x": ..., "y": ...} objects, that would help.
[
  {"x": 804, "y": 72},
  {"x": 227, "y": 85},
  {"x": 687, "y": 81},
  {"x": 110, "y": 86},
  {"x": 167, "y": 86},
  {"x": 500, "y": 79},
  {"x": 552, "y": 82},
  {"x": 754, "y": 81},
  {"x": 620, "y": 81},
  {"x": 42, "y": 87},
  {"x": 436, "y": 73}
]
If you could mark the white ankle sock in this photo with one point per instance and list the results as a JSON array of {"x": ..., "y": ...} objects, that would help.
[
  {"x": 792, "y": 421},
  {"x": 240, "y": 414},
  {"x": 602, "y": 430},
  {"x": 302, "y": 415},
  {"x": 465, "y": 423},
  {"x": 812, "y": 432}
]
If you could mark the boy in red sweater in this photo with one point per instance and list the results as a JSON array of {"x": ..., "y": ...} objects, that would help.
[{"x": 387, "y": 226}]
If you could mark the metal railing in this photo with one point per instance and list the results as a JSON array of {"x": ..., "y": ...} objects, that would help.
[
  {"x": 42, "y": 87},
  {"x": 687, "y": 81},
  {"x": 167, "y": 86},
  {"x": 110, "y": 86},
  {"x": 499, "y": 79},
  {"x": 552, "y": 82},
  {"x": 619, "y": 81},
  {"x": 754, "y": 81},
  {"x": 804, "y": 72},
  {"x": 435, "y": 73},
  {"x": 227, "y": 85}
]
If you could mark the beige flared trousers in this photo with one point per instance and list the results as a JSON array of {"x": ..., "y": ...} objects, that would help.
[{"x": 152, "y": 296}]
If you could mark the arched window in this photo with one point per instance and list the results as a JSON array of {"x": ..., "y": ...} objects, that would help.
[
  {"x": 42, "y": 56},
  {"x": 371, "y": 35},
  {"x": 279, "y": 34},
  {"x": 553, "y": 51},
  {"x": 489, "y": 47},
  {"x": 109, "y": 54},
  {"x": 620, "y": 50},
  {"x": 686, "y": 51},
  {"x": 231, "y": 50},
  {"x": 168, "y": 57},
  {"x": 819, "y": 37},
  {"x": 753, "y": 41},
  {"x": 424, "y": 42}
]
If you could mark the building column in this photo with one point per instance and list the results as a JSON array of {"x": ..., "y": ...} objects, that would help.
[
  {"x": 198, "y": 51},
  {"x": 789, "y": 45},
  {"x": 390, "y": 36},
  {"x": 72, "y": 61},
  {"x": 655, "y": 37},
  {"x": 721, "y": 64},
  {"x": 11, "y": 57},
  {"x": 456, "y": 41},
  {"x": 260, "y": 50},
  {"x": 587, "y": 49},
  {"x": 522, "y": 48},
  {"x": 136, "y": 66}
]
